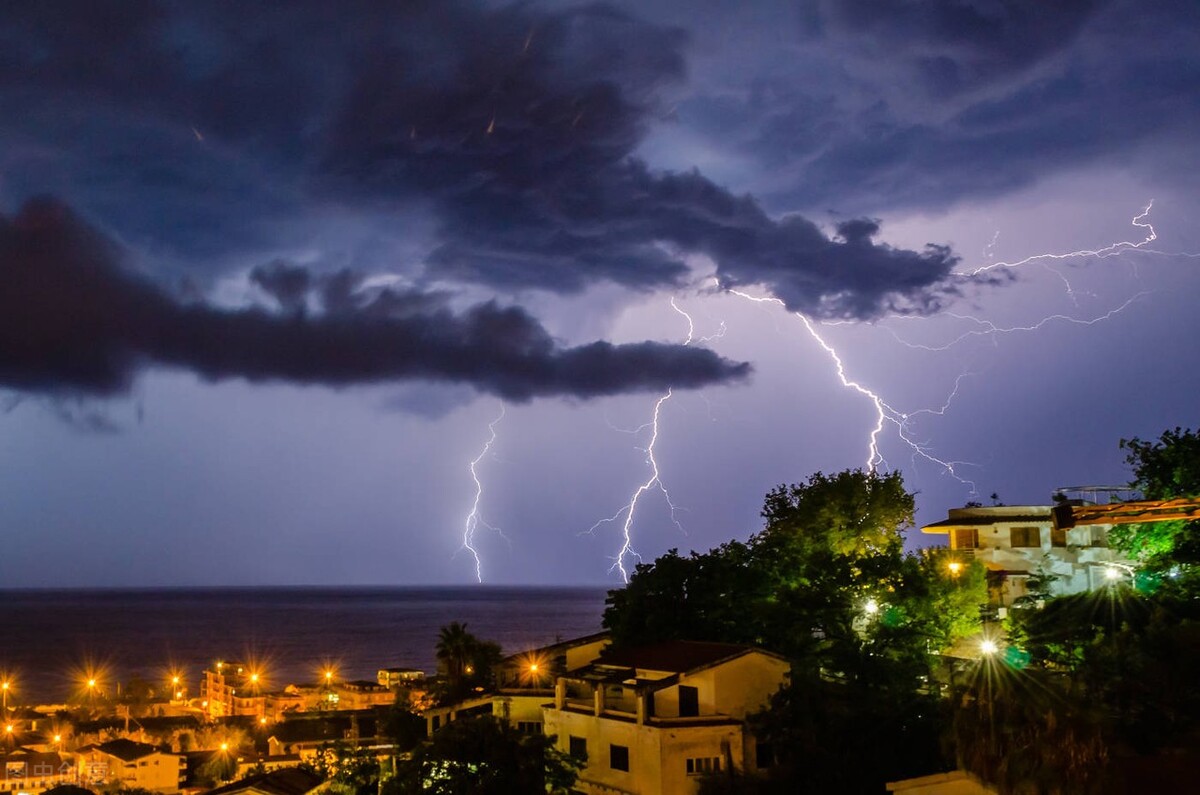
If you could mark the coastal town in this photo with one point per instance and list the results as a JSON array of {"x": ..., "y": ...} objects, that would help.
[{"x": 656, "y": 717}]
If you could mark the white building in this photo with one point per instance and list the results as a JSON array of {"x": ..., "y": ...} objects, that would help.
[
  {"x": 1017, "y": 542},
  {"x": 656, "y": 719}
]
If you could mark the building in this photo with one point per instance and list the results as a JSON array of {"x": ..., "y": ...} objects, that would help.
[
  {"x": 655, "y": 719},
  {"x": 285, "y": 781},
  {"x": 31, "y": 772},
  {"x": 399, "y": 677},
  {"x": 130, "y": 764},
  {"x": 526, "y": 680},
  {"x": 233, "y": 688},
  {"x": 1020, "y": 545}
]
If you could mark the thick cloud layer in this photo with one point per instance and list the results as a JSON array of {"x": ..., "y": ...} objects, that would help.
[
  {"x": 515, "y": 128},
  {"x": 72, "y": 322},
  {"x": 880, "y": 105}
]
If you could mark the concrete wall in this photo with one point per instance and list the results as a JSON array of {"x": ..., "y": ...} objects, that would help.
[{"x": 657, "y": 756}]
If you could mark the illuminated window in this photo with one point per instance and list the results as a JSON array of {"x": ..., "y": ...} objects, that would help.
[
  {"x": 964, "y": 538},
  {"x": 618, "y": 757},
  {"x": 703, "y": 765},
  {"x": 1026, "y": 537}
]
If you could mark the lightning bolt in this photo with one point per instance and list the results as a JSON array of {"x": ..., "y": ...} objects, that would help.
[
  {"x": 989, "y": 329},
  {"x": 474, "y": 518},
  {"x": 885, "y": 413},
  {"x": 1110, "y": 250},
  {"x": 654, "y": 481}
]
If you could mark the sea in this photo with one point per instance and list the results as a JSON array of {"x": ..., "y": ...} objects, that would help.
[{"x": 51, "y": 641}]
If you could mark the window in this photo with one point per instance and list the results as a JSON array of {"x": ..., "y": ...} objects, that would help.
[
  {"x": 964, "y": 538},
  {"x": 1026, "y": 537},
  {"x": 578, "y": 747},
  {"x": 764, "y": 755},
  {"x": 618, "y": 757},
  {"x": 1058, "y": 537},
  {"x": 703, "y": 765},
  {"x": 529, "y": 727},
  {"x": 689, "y": 701}
]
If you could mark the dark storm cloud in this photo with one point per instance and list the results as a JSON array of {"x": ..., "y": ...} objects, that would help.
[
  {"x": 525, "y": 144},
  {"x": 955, "y": 45},
  {"x": 924, "y": 105},
  {"x": 71, "y": 321},
  {"x": 515, "y": 126}
]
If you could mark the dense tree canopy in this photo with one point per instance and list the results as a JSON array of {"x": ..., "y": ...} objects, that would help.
[
  {"x": 484, "y": 756},
  {"x": 1164, "y": 469},
  {"x": 828, "y": 584},
  {"x": 465, "y": 661}
]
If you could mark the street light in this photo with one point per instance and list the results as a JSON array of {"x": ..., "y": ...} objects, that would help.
[
  {"x": 871, "y": 607},
  {"x": 988, "y": 647},
  {"x": 955, "y": 568}
]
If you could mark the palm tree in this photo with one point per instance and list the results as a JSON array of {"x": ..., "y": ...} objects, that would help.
[{"x": 455, "y": 649}]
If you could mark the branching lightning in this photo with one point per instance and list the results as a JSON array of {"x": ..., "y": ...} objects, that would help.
[
  {"x": 626, "y": 513},
  {"x": 474, "y": 518},
  {"x": 884, "y": 412},
  {"x": 1110, "y": 250},
  {"x": 989, "y": 329}
]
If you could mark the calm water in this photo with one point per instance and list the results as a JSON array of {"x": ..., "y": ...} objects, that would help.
[{"x": 48, "y": 637}]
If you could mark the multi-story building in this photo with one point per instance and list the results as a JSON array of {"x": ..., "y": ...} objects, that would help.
[
  {"x": 656, "y": 719},
  {"x": 28, "y": 772},
  {"x": 399, "y": 677},
  {"x": 1017, "y": 543},
  {"x": 130, "y": 765},
  {"x": 233, "y": 688}
]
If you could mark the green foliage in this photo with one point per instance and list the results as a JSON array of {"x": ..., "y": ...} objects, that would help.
[
  {"x": 799, "y": 586},
  {"x": 403, "y": 725},
  {"x": 856, "y": 709},
  {"x": 484, "y": 756},
  {"x": 1028, "y": 733},
  {"x": 466, "y": 661},
  {"x": 835, "y": 736},
  {"x": 1163, "y": 469},
  {"x": 219, "y": 768},
  {"x": 348, "y": 769}
]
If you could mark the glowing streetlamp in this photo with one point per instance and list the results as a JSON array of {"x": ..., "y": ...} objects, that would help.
[
  {"x": 871, "y": 607},
  {"x": 988, "y": 647},
  {"x": 1112, "y": 574},
  {"x": 955, "y": 568}
]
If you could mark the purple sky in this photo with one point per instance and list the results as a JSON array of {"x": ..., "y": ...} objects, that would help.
[{"x": 269, "y": 272}]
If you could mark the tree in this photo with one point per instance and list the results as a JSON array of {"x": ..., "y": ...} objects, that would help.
[
  {"x": 484, "y": 756},
  {"x": 1164, "y": 469},
  {"x": 467, "y": 661},
  {"x": 403, "y": 724},
  {"x": 350, "y": 770},
  {"x": 826, "y": 583}
]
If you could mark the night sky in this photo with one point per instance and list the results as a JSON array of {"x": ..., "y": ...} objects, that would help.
[{"x": 269, "y": 273}]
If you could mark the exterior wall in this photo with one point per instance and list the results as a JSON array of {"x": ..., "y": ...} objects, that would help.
[
  {"x": 954, "y": 783},
  {"x": 517, "y": 707},
  {"x": 35, "y": 773},
  {"x": 1077, "y": 563},
  {"x": 657, "y": 755},
  {"x": 158, "y": 771},
  {"x": 581, "y": 655}
]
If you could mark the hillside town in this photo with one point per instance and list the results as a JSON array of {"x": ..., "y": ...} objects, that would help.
[{"x": 666, "y": 716}]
